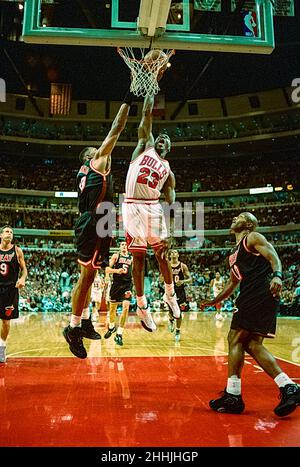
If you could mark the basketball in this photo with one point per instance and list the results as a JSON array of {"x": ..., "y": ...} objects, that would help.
[{"x": 154, "y": 54}]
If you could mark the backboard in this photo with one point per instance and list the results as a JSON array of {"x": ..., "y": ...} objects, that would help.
[{"x": 204, "y": 25}]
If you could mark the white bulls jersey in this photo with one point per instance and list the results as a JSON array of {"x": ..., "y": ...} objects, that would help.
[
  {"x": 97, "y": 288},
  {"x": 217, "y": 286},
  {"x": 146, "y": 176}
]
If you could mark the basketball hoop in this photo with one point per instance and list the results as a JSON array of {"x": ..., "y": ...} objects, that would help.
[{"x": 147, "y": 70}]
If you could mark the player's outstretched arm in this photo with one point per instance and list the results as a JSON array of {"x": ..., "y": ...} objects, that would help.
[
  {"x": 145, "y": 136},
  {"x": 228, "y": 290},
  {"x": 116, "y": 129}
]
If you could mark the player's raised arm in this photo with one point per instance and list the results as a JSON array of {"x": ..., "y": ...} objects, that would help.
[
  {"x": 116, "y": 129},
  {"x": 145, "y": 136}
]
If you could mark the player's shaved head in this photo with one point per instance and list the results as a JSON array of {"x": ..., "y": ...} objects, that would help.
[{"x": 251, "y": 220}]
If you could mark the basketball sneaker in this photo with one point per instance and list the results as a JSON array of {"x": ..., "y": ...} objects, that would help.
[
  {"x": 118, "y": 339},
  {"x": 228, "y": 403},
  {"x": 146, "y": 319},
  {"x": 73, "y": 337},
  {"x": 88, "y": 330},
  {"x": 2, "y": 353},
  {"x": 171, "y": 325},
  {"x": 171, "y": 301},
  {"x": 290, "y": 399},
  {"x": 109, "y": 332},
  {"x": 177, "y": 336}
]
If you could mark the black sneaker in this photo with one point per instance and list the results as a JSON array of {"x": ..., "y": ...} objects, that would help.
[
  {"x": 118, "y": 339},
  {"x": 228, "y": 403},
  {"x": 109, "y": 332},
  {"x": 88, "y": 330},
  {"x": 74, "y": 338},
  {"x": 290, "y": 398}
]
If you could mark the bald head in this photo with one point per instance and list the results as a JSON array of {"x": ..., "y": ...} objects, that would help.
[
  {"x": 245, "y": 221},
  {"x": 251, "y": 220}
]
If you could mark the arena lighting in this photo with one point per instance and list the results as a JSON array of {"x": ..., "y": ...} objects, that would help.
[
  {"x": 289, "y": 187},
  {"x": 66, "y": 194},
  {"x": 264, "y": 189},
  {"x": 278, "y": 188}
]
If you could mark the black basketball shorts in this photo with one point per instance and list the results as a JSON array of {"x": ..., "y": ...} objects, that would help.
[{"x": 9, "y": 302}]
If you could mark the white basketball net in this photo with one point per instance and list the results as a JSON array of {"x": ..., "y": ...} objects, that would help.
[{"x": 144, "y": 73}]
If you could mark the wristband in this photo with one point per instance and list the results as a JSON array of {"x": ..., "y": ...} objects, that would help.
[{"x": 277, "y": 274}]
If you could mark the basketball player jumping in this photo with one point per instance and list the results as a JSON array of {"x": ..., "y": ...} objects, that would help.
[
  {"x": 149, "y": 174},
  {"x": 120, "y": 265},
  {"x": 256, "y": 267},
  {"x": 94, "y": 187},
  {"x": 181, "y": 277},
  {"x": 11, "y": 263}
]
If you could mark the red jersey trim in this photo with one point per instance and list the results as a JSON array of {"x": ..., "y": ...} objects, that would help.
[
  {"x": 143, "y": 153},
  {"x": 97, "y": 171},
  {"x": 247, "y": 249}
]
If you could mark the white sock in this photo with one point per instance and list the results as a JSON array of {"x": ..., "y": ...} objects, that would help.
[
  {"x": 85, "y": 313},
  {"x": 120, "y": 330},
  {"x": 141, "y": 301},
  {"x": 75, "y": 321},
  {"x": 2, "y": 343},
  {"x": 234, "y": 385},
  {"x": 282, "y": 380},
  {"x": 111, "y": 325},
  {"x": 169, "y": 289}
]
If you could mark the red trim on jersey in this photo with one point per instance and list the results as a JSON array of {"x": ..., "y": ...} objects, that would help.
[
  {"x": 95, "y": 266},
  {"x": 156, "y": 245},
  {"x": 129, "y": 242},
  {"x": 97, "y": 171},
  {"x": 146, "y": 201},
  {"x": 136, "y": 249},
  {"x": 88, "y": 263},
  {"x": 84, "y": 263},
  {"x": 143, "y": 199},
  {"x": 150, "y": 147},
  {"x": 247, "y": 249}
]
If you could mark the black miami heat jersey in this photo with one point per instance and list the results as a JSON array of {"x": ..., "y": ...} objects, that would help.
[
  {"x": 177, "y": 275},
  {"x": 9, "y": 267},
  {"x": 254, "y": 273},
  {"x": 93, "y": 187},
  {"x": 124, "y": 262}
]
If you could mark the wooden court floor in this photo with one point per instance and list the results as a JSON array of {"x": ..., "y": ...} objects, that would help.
[{"x": 152, "y": 391}]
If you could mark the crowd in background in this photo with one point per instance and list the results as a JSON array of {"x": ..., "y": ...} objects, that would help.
[
  {"x": 228, "y": 173},
  {"x": 52, "y": 264},
  {"x": 229, "y": 128},
  {"x": 53, "y": 276}
]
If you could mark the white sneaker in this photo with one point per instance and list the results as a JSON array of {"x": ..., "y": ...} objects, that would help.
[
  {"x": 2, "y": 354},
  {"x": 146, "y": 319},
  {"x": 171, "y": 301},
  {"x": 171, "y": 325},
  {"x": 177, "y": 337}
]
